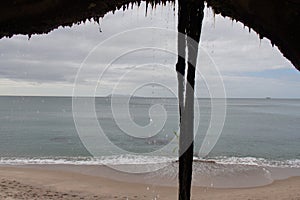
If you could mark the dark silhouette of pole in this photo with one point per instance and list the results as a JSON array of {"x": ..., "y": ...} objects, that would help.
[{"x": 190, "y": 16}]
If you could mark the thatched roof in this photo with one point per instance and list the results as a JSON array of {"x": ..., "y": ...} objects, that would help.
[{"x": 277, "y": 20}]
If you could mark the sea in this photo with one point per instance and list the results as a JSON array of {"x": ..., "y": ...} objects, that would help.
[{"x": 260, "y": 137}]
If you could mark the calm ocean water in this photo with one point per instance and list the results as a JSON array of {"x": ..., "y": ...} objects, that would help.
[{"x": 264, "y": 132}]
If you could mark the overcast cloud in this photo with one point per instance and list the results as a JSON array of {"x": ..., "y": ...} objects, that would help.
[{"x": 48, "y": 64}]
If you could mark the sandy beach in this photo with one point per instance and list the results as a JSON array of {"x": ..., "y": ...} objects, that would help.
[{"x": 33, "y": 183}]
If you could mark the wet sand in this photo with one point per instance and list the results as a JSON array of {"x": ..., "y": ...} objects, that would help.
[{"x": 33, "y": 183}]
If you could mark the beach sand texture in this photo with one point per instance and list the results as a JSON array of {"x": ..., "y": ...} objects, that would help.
[{"x": 27, "y": 183}]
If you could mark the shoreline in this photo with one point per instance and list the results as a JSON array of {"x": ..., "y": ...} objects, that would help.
[
  {"x": 205, "y": 174},
  {"x": 45, "y": 183}
]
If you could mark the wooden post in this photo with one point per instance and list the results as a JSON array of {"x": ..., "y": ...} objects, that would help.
[{"x": 190, "y": 16}]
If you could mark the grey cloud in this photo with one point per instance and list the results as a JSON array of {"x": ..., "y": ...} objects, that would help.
[{"x": 37, "y": 71}]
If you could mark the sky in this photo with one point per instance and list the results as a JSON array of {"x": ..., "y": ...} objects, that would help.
[{"x": 124, "y": 56}]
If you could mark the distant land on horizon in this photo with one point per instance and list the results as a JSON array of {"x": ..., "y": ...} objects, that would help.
[{"x": 150, "y": 97}]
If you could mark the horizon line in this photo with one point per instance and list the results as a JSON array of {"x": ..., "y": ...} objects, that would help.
[{"x": 169, "y": 97}]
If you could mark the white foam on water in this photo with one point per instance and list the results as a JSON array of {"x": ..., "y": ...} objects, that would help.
[
  {"x": 295, "y": 163},
  {"x": 146, "y": 160},
  {"x": 105, "y": 160}
]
